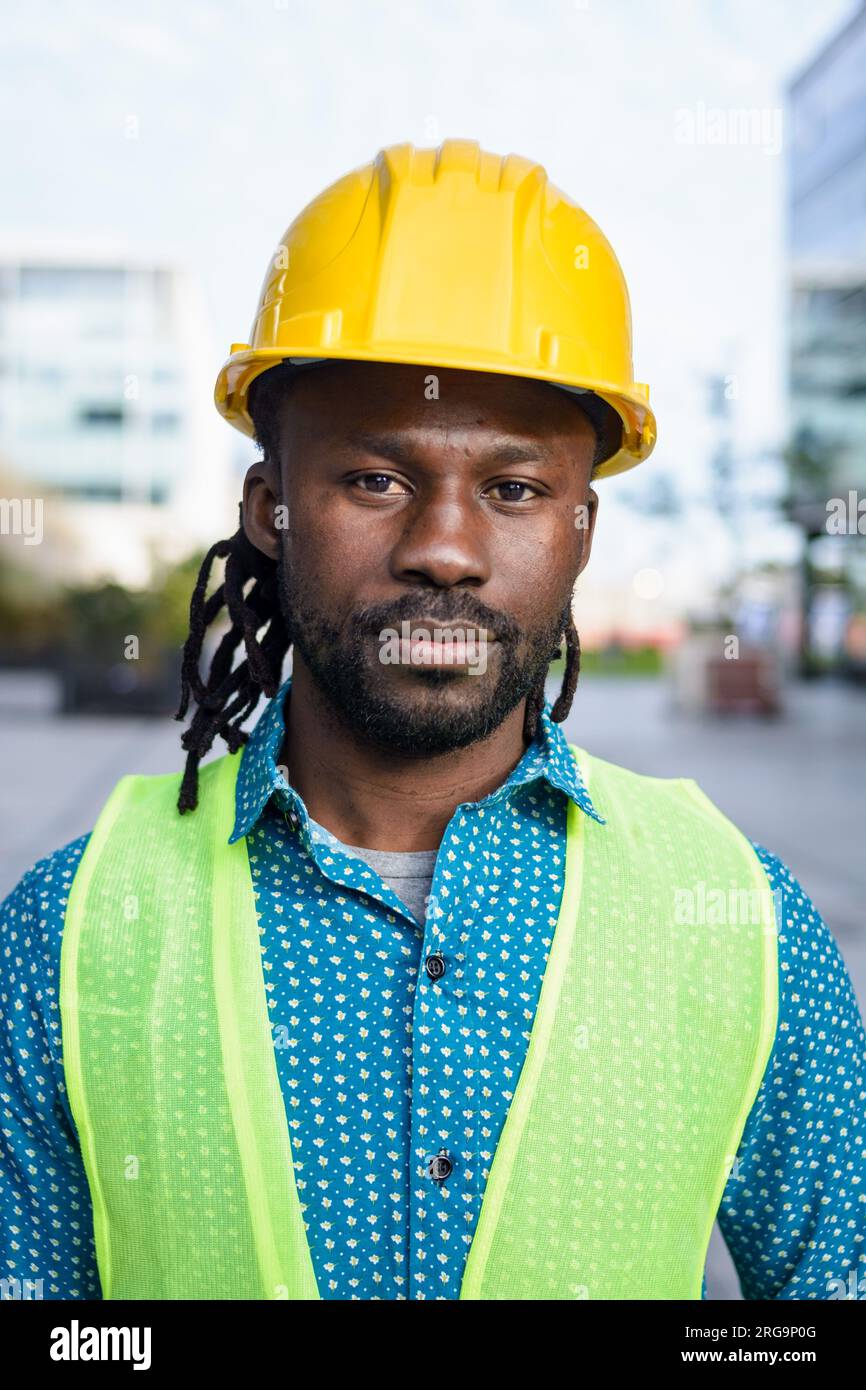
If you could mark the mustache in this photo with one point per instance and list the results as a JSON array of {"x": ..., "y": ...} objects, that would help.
[{"x": 448, "y": 606}]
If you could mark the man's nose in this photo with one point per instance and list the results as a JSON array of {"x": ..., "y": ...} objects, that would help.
[{"x": 441, "y": 545}]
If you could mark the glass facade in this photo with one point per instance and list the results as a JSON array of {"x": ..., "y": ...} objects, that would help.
[
  {"x": 828, "y": 151},
  {"x": 827, "y": 363},
  {"x": 92, "y": 386}
]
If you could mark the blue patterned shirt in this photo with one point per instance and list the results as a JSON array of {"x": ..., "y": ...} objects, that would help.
[{"x": 382, "y": 1067}]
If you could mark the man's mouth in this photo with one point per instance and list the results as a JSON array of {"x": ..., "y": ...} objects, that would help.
[
  {"x": 427, "y": 643},
  {"x": 444, "y": 650}
]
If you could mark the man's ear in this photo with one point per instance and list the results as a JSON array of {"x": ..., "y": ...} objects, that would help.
[
  {"x": 585, "y": 522},
  {"x": 262, "y": 507}
]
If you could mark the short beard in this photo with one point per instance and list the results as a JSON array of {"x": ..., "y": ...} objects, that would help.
[{"x": 358, "y": 694}]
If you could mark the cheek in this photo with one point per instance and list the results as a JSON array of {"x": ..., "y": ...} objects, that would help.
[
  {"x": 535, "y": 567},
  {"x": 329, "y": 551}
]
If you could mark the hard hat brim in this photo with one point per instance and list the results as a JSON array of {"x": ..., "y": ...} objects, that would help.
[{"x": 242, "y": 368}]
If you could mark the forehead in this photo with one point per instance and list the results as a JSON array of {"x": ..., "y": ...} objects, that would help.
[{"x": 341, "y": 399}]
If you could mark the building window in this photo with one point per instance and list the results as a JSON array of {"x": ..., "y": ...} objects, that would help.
[{"x": 101, "y": 416}]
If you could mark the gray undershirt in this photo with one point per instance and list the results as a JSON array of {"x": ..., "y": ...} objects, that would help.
[{"x": 409, "y": 873}]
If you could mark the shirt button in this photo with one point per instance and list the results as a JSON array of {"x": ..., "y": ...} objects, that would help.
[
  {"x": 435, "y": 965},
  {"x": 440, "y": 1167}
]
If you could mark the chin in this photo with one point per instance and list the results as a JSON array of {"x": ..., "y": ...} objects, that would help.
[
  {"x": 437, "y": 689},
  {"x": 428, "y": 712}
]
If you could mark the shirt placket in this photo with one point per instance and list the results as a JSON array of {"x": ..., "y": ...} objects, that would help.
[
  {"x": 446, "y": 1070},
  {"x": 352, "y": 874}
]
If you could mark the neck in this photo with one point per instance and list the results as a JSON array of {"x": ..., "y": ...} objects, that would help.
[{"x": 378, "y": 799}]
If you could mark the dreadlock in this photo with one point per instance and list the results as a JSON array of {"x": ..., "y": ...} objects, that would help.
[
  {"x": 562, "y": 704},
  {"x": 250, "y": 594},
  {"x": 229, "y": 693}
]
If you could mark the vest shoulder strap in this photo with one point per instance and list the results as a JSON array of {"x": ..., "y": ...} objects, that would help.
[
  {"x": 654, "y": 1026},
  {"x": 169, "y": 1057}
]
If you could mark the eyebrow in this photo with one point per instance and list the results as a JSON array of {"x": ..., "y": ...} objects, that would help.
[{"x": 395, "y": 448}]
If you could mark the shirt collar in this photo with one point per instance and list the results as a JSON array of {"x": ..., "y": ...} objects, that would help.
[
  {"x": 260, "y": 777},
  {"x": 550, "y": 757}
]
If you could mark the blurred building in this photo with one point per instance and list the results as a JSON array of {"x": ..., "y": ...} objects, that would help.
[
  {"x": 827, "y": 367},
  {"x": 106, "y": 411}
]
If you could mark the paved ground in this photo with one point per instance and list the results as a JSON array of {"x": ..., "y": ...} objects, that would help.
[{"x": 797, "y": 785}]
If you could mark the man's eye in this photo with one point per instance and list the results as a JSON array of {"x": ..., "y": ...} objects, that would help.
[
  {"x": 382, "y": 484},
  {"x": 513, "y": 492}
]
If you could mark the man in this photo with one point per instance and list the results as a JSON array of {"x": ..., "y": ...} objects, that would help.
[{"x": 407, "y": 999}]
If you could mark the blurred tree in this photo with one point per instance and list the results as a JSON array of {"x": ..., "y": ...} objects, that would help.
[{"x": 46, "y": 624}]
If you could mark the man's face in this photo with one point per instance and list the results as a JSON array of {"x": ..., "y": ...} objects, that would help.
[{"x": 428, "y": 547}]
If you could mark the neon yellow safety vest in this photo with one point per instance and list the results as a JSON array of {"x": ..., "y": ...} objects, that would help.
[{"x": 654, "y": 1025}]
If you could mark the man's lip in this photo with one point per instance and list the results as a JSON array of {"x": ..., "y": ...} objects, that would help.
[
  {"x": 429, "y": 628},
  {"x": 457, "y": 653},
  {"x": 437, "y": 642}
]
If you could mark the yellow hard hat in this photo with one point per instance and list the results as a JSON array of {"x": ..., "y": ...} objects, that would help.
[{"x": 449, "y": 257}]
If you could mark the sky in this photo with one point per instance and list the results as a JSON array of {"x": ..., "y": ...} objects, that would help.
[{"x": 196, "y": 132}]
